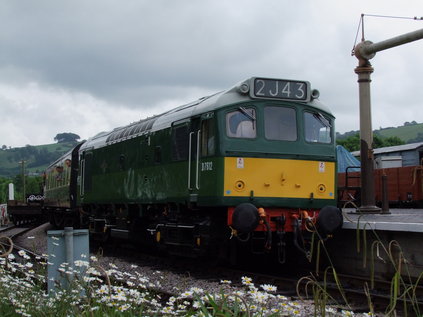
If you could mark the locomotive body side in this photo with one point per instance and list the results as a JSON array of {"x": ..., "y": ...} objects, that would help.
[{"x": 147, "y": 169}]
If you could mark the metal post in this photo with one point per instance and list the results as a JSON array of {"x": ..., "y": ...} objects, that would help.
[
  {"x": 366, "y": 141},
  {"x": 23, "y": 180},
  {"x": 365, "y": 51},
  {"x": 385, "y": 199}
]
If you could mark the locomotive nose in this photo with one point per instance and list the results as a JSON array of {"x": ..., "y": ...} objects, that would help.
[
  {"x": 245, "y": 218},
  {"x": 330, "y": 220}
]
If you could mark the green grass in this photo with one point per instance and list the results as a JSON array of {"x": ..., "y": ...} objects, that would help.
[{"x": 405, "y": 133}]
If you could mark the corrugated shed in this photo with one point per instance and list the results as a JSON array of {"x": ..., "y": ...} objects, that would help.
[
  {"x": 410, "y": 153},
  {"x": 396, "y": 148}
]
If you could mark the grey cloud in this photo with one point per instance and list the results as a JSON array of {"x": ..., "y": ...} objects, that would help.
[
  {"x": 101, "y": 48},
  {"x": 144, "y": 54}
]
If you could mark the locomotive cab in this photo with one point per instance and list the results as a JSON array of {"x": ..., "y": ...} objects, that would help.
[{"x": 279, "y": 165}]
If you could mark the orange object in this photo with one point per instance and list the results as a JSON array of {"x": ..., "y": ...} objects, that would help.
[{"x": 261, "y": 212}]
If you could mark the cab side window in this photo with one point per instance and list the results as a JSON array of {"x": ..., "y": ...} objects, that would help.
[
  {"x": 208, "y": 138},
  {"x": 180, "y": 142},
  {"x": 241, "y": 123},
  {"x": 318, "y": 128}
]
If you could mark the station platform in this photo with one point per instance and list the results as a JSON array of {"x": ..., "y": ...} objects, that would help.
[
  {"x": 410, "y": 220},
  {"x": 382, "y": 239}
]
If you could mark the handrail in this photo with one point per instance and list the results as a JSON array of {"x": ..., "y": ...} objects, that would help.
[
  {"x": 82, "y": 183},
  {"x": 197, "y": 182},
  {"x": 189, "y": 160}
]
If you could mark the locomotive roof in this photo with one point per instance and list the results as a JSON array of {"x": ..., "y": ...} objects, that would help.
[{"x": 165, "y": 120}]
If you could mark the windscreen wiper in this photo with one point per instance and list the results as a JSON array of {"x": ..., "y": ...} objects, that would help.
[
  {"x": 247, "y": 114},
  {"x": 325, "y": 122}
]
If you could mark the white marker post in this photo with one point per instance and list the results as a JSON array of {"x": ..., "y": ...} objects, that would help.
[{"x": 11, "y": 192}]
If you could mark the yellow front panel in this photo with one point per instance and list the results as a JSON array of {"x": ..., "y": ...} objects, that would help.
[{"x": 279, "y": 178}]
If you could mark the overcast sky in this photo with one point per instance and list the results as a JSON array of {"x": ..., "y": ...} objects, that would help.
[{"x": 90, "y": 66}]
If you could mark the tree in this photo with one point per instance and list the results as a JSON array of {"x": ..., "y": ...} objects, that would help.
[
  {"x": 418, "y": 138},
  {"x": 33, "y": 184},
  {"x": 377, "y": 141},
  {"x": 4, "y": 189},
  {"x": 352, "y": 143},
  {"x": 66, "y": 137},
  {"x": 392, "y": 141},
  {"x": 410, "y": 123}
]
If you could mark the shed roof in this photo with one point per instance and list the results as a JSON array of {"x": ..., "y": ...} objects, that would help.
[{"x": 396, "y": 148}]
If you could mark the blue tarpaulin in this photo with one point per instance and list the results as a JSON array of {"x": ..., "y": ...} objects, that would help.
[{"x": 346, "y": 159}]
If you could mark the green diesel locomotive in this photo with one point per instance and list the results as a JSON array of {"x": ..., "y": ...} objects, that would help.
[{"x": 252, "y": 165}]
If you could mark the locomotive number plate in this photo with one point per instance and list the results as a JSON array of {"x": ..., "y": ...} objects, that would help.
[
  {"x": 206, "y": 166},
  {"x": 281, "y": 89}
]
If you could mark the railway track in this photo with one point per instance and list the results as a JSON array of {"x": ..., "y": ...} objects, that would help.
[
  {"x": 14, "y": 231},
  {"x": 8, "y": 237}
]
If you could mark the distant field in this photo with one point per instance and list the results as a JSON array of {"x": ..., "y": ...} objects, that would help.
[
  {"x": 36, "y": 158},
  {"x": 405, "y": 133}
]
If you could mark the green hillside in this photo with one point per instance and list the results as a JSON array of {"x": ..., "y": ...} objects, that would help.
[
  {"x": 36, "y": 158},
  {"x": 406, "y": 133}
]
